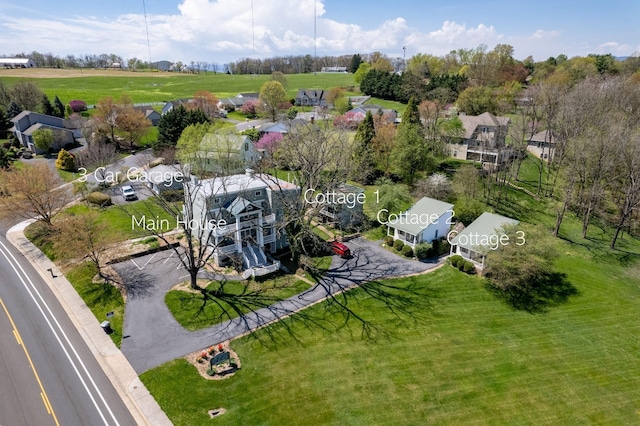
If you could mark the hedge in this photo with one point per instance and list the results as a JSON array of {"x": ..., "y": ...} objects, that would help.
[{"x": 99, "y": 199}]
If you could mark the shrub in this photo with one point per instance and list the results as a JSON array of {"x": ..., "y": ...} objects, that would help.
[
  {"x": 78, "y": 105},
  {"x": 468, "y": 267},
  {"x": 66, "y": 161},
  {"x": 398, "y": 244},
  {"x": 407, "y": 251},
  {"x": 99, "y": 199},
  {"x": 423, "y": 250},
  {"x": 455, "y": 260},
  {"x": 388, "y": 240}
]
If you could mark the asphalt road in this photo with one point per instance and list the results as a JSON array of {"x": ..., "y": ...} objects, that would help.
[{"x": 47, "y": 373}]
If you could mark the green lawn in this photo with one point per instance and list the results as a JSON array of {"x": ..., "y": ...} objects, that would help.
[
  {"x": 162, "y": 87},
  {"x": 457, "y": 355},
  {"x": 100, "y": 298},
  {"x": 192, "y": 311}
]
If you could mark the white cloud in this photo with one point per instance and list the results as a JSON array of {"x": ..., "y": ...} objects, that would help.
[
  {"x": 616, "y": 49},
  {"x": 227, "y": 30}
]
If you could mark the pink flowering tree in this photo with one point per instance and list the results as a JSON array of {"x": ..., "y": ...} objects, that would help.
[
  {"x": 250, "y": 108},
  {"x": 269, "y": 141}
]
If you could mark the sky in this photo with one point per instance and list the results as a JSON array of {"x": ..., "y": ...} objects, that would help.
[{"x": 222, "y": 31}]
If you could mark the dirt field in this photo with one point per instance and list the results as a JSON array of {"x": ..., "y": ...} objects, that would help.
[{"x": 72, "y": 73}]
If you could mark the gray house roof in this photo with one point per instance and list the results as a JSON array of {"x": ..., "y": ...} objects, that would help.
[
  {"x": 425, "y": 207},
  {"x": 544, "y": 136},
  {"x": 483, "y": 228},
  {"x": 471, "y": 122}
]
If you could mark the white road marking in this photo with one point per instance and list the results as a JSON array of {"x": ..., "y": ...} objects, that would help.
[{"x": 14, "y": 263}]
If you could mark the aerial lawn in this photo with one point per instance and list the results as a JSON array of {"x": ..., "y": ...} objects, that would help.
[
  {"x": 457, "y": 355},
  {"x": 164, "y": 86}
]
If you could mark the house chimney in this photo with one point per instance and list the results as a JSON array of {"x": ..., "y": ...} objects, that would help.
[{"x": 250, "y": 173}]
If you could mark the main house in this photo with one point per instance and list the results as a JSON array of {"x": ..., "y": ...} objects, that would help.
[
  {"x": 27, "y": 122},
  {"x": 427, "y": 220},
  {"x": 481, "y": 236},
  {"x": 484, "y": 139},
  {"x": 238, "y": 216}
]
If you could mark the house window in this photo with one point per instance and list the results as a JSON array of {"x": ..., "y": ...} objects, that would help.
[
  {"x": 455, "y": 153},
  {"x": 216, "y": 200},
  {"x": 246, "y": 147},
  {"x": 258, "y": 193}
]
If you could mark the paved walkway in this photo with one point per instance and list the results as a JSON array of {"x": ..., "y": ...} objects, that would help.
[{"x": 153, "y": 336}]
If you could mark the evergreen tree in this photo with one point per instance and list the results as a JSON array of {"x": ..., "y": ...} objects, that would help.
[
  {"x": 58, "y": 107},
  {"x": 5, "y": 124},
  {"x": 363, "y": 152},
  {"x": 411, "y": 115},
  {"x": 13, "y": 110},
  {"x": 356, "y": 60},
  {"x": 47, "y": 108},
  {"x": 174, "y": 122}
]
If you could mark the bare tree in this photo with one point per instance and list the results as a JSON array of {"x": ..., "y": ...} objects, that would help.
[
  {"x": 32, "y": 191},
  {"x": 84, "y": 235}
]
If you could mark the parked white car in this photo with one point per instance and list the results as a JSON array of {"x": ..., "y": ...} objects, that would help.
[{"x": 128, "y": 193}]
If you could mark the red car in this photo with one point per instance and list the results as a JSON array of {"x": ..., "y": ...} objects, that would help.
[{"x": 341, "y": 250}]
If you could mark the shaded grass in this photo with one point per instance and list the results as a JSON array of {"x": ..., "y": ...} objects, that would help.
[
  {"x": 468, "y": 360},
  {"x": 99, "y": 297},
  {"x": 194, "y": 311}
]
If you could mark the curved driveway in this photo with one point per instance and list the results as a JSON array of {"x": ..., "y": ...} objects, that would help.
[{"x": 153, "y": 336}]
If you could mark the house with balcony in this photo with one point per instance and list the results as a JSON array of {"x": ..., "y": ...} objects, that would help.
[
  {"x": 484, "y": 139},
  {"x": 238, "y": 216}
]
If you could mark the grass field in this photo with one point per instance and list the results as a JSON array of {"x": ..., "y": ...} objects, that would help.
[
  {"x": 457, "y": 355},
  {"x": 92, "y": 85}
]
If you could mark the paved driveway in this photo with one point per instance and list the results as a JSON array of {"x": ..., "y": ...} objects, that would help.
[{"x": 153, "y": 336}]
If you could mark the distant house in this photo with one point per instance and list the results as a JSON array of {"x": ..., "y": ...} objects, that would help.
[
  {"x": 168, "y": 106},
  {"x": 311, "y": 97},
  {"x": 235, "y": 103},
  {"x": 481, "y": 236},
  {"x": 226, "y": 153},
  {"x": 425, "y": 221},
  {"x": 163, "y": 178},
  {"x": 334, "y": 69},
  {"x": 543, "y": 145},
  {"x": 251, "y": 207},
  {"x": 484, "y": 139},
  {"x": 17, "y": 63},
  {"x": 27, "y": 122},
  {"x": 161, "y": 65},
  {"x": 345, "y": 210},
  {"x": 151, "y": 114}
]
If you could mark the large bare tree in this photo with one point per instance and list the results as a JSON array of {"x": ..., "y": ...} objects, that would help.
[{"x": 32, "y": 191}]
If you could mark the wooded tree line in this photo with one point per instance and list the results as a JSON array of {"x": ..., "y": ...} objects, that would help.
[{"x": 591, "y": 151}]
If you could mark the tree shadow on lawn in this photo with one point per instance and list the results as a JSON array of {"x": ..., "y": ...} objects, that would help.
[{"x": 547, "y": 291}]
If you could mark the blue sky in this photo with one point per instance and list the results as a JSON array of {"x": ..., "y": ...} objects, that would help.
[{"x": 221, "y": 31}]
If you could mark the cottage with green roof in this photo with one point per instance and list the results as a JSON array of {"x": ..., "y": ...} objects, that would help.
[
  {"x": 484, "y": 234},
  {"x": 427, "y": 220}
]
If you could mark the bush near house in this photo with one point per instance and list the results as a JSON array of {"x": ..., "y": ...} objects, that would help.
[
  {"x": 423, "y": 250},
  {"x": 407, "y": 251},
  {"x": 77, "y": 105},
  {"x": 468, "y": 267},
  {"x": 388, "y": 241},
  {"x": 66, "y": 161},
  {"x": 398, "y": 244},
  {"x": 99, "y": 199},
  {"x": 455, "y": 260}
]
